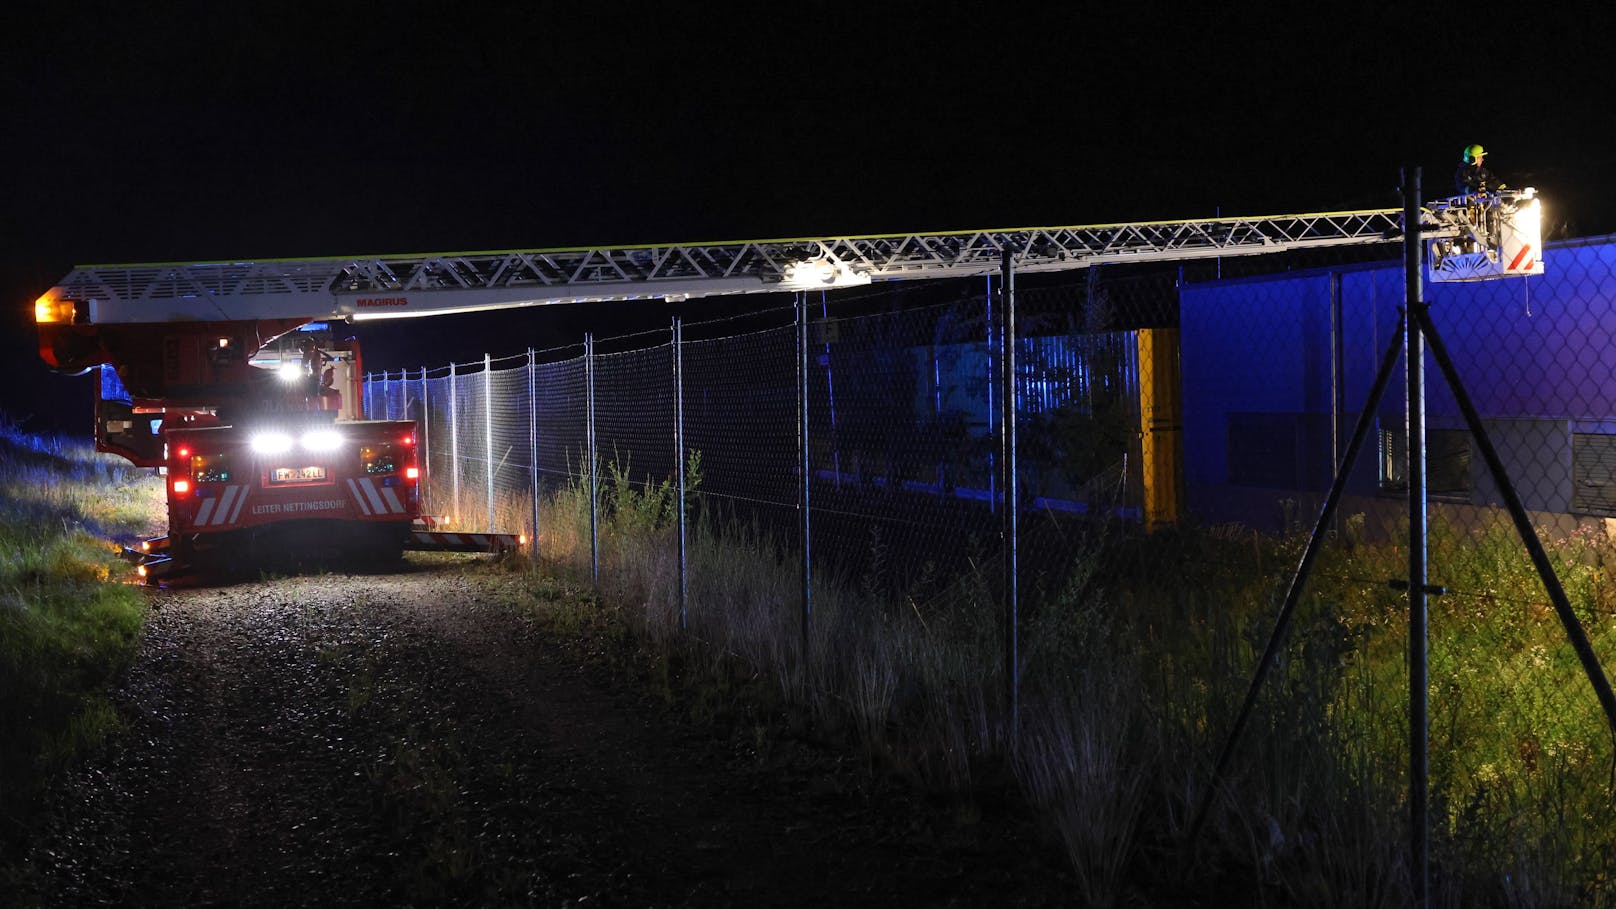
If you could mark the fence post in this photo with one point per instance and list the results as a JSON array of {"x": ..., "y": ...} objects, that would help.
[
  {"x": 679, "y": 462},
  {"x": 1007, "y": 479},
  {"x": 993, "y": 477},
  {"x": 423, "y": 444},
  {"x": 594, "y": 458},
  {"x": 533, "y": 445},
  {"x": 369, "y": 395},
  {"x": 1418, "y": 670},
  {"x": 387, "y": 395},
  {"x": 802, "y": 467},
  {"x": 454, "y": 446},
  {"x": 488, "y": 435}
]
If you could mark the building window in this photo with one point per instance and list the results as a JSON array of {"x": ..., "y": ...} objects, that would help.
[
  {"x": 1447, "y": 461},
  {"x": 1593, "y": 473}
]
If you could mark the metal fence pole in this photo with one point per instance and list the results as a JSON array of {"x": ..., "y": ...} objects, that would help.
[
  {"x": 369, "y": 396},
  {"x": 993, "y": 479},
  {"x": 454, "y": 447},
  {"x": 804, "y": 505},
  {"x": 1418, "y": 619},
  {"x": 679, "y": 463},
  {"x": 424, "y": 442},
  {"x": 1007, "y": 473},
  {"x": 594, "y": 458},
  {"x": 387, "y": 395},
  {"x": 533, "y": 445},
  {"x": 488, "y": 436}
]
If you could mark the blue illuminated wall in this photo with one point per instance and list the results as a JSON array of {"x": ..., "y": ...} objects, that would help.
[{"x": 1274, "y": 375}]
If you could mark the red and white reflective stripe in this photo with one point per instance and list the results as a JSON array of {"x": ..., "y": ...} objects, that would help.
[
  {"x": 371, "y": 502},
  {"x": 219, "y": 511},
  {"x": 453, "y": 539},
  {"x": 1516, "y": 262}
]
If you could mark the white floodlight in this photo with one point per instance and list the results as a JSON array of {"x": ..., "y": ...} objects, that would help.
[
  {"x": 1528, "y": 217},
  {"x": 290, "y": 373},
  {"x": 822, "y": 273},
  {"x": 272, "y": 443}
]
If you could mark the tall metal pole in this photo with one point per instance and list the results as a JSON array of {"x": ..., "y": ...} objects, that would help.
[
  {"x": 594, "y": 458},
  {"x": 454, "y": 446},
  {"x": 1337, "y": 357},
  {"x": 679, "y": 460},
  {"x": 1418, "y": 618},
  {"x": 488, "y": 435},
  {"x": 993, "y": 479},
  {"x": 370, "y": 396},
  {"x": 424, "y": 443},
  {"x": 533, "y": 445},
  {"x": 1007, "y": 479},
  {"x": 804, "y": 505}
]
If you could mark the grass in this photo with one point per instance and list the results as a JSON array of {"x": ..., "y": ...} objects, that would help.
[
  {"x": 1134, "y": 657},
  {"x": 1135, "y": 652},
  {"x": 65, "y": 632}
]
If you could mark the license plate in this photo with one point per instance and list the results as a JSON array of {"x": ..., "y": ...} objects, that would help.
[{"x": 298, "y": 474}]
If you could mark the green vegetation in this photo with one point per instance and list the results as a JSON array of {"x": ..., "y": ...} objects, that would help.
[
  {"x": 65, "y": 632},
  {"x": 1134, "y": 660}
]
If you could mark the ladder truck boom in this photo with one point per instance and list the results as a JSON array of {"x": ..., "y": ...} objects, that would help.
[{"x": 390, "y": 287}]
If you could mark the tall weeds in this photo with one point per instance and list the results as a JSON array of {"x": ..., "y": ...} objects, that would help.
[
  {"x": 65, "y": 633},
  {"x": 1134, "y": 658}
]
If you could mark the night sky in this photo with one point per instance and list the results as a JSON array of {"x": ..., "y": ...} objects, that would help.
[{"x": 238, "y": 131}]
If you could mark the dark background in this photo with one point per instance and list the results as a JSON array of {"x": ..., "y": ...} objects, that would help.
[{"x": 214, "y": 131}]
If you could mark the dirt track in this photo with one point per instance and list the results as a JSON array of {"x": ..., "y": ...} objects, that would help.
[{"x": 411, "y": 738}]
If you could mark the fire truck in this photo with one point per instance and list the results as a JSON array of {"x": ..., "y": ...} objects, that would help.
[
  {"x": 234, "y": 376},
  {"x": 258, "y": 428}
]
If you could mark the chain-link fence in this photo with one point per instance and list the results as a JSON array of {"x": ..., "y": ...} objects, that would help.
[{"x": 820, "y": 490}]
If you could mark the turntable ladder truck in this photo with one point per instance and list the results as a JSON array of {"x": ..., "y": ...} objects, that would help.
[{"x": 192, "y": 355}]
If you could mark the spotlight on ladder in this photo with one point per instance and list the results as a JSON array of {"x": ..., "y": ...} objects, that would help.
[{"x": 821, "y": 273}]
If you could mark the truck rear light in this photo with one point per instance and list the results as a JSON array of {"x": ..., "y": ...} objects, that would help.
[
  {"x": 412, "y": 473},
  {"x": 181, "y": 487},
  {"x": 409, "y": 440},
  {"x": 184, "y": 452}
]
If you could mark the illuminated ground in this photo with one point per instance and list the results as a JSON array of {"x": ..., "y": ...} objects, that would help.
[{"x": 404, "y": 738}]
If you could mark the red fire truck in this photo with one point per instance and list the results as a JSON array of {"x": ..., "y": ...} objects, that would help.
[{"x": 259, "y": 429}]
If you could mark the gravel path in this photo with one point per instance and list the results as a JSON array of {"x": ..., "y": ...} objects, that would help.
[{"x": 412, "y": 738}]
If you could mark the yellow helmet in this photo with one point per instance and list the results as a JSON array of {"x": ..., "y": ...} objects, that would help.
[{"x": 1472, "y": 152}]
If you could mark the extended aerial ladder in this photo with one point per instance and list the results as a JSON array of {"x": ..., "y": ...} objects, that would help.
[
  {"x": 183, "y": 336},
  {"x": 391, "y": 287}
]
